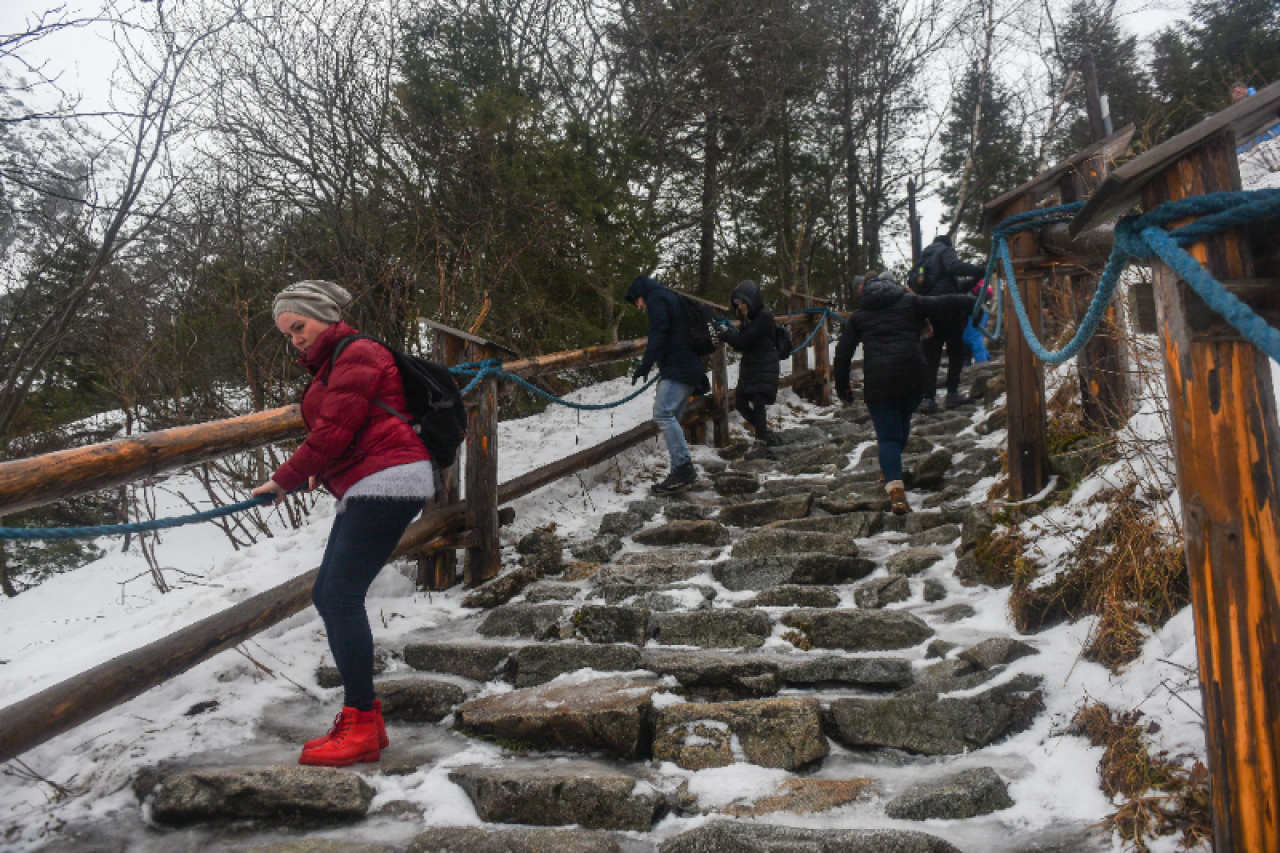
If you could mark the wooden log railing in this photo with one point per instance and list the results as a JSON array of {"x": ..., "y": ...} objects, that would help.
[{"x": 33, "y": 482}]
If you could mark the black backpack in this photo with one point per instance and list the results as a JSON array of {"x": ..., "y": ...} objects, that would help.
[
  {"x": 927, "y": 279},
  {"x": 782, "y": 341},
  {"x": 436, "y": 411},
  {"x": 699, "y": 325}
]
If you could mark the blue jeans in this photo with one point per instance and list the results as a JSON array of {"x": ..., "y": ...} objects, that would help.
[
  {"x": 668, "y": 407},
  {"x": 363, "y": 536},
  {"x": 892, "y": 420}
]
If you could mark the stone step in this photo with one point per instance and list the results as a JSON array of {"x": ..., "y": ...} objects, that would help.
[
  {"x": 471, "y": 839},
  {"x": 279, "y": 795},
  {"x": 784, "y": 733},
  {"x": 589, "y": 794},
  {"x": 743, "y": 837}
]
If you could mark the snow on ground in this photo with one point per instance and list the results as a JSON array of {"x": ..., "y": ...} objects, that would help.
[{"x": 82, "y": 618}]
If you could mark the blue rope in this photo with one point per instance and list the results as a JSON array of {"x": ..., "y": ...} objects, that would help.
[
  {"x": 1143, "y": 238},
  {"x": 492, "y": 367},
  {"x": 825, "y": 312},
  {"x": 33, "y": 533}
]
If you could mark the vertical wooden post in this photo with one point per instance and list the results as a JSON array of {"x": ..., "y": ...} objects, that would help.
[
  {"x": 1028, "y": 439},
  {"x": 799, "y": 331},
  {"x": 720, "y": 394},
  {"x": 1227, "y": 451},
  {"x": 822, "y": 364},
  {"x": 440, "y": 569},
  {"x": 1103, "y": 365},
  {"x": 483, "y": 556}
]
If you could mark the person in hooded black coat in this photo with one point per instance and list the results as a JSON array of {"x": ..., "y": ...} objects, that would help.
[
  {"x": 888, "y": 323},
  {"x": 943, "y": 274},
  {"x": 758, "y": 371}
]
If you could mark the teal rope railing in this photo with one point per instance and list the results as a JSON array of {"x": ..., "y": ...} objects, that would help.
[
  {"x": 1144, "y": 238},
  {"x": 46, "y": 533},
  {"x": 492, "y": 367},
  {"x": 825, "y": 312}
]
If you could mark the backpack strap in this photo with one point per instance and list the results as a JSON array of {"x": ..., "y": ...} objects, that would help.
[{"x": 333, "y": 360}]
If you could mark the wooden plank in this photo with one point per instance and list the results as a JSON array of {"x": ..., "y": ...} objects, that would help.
[
  {"x": 1024, "y": 376},
  {"x": 498, "y": 349},
  {"x": 1124, "y": 188},
  {"x": 1226, "y": 438},
  {"x": 822, "y": 364},
  {"x": 438, "y": 569},
  {"x": 484, "y": 559},
  {"x": 542, "y": 365},
  {"x": 720, "y": 396},
  {"x": 818, "y": 301},
  {"x": 1046, "y": 182},
  {"x": 50, "y": 477}
]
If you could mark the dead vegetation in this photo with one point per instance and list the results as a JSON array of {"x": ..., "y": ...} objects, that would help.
[
  {"x": 1159, "y": 796},
  {"x": 1127, "y": 571}
]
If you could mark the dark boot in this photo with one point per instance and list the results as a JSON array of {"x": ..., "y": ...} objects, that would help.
[
  {"x": 956, "y": 400},
  {"x": 678, "y": 480},
  {"x": 929, "y": 406}
]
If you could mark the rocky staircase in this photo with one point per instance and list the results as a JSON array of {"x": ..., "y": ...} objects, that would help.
[{"x": 775, "y": 620}]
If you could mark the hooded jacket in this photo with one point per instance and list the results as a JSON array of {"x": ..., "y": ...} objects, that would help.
[
  {"x": 943, "y": 266},
  {"x": 668, "y": 346},
  {"x": 758, "y": 371},
  {"x": 348, "y": 437},
  {"x": 888, "y": 323}
]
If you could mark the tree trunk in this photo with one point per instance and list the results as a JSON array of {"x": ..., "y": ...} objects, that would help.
[{"x": 707, "y": 215}]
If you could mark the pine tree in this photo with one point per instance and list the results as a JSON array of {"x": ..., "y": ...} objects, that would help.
[
  {"x": 1001, "y": 161},
  {"x": 1226, "y": 41}
]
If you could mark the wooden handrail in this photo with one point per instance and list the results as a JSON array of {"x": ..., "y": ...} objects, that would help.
[{"x": 39, "y": 480}]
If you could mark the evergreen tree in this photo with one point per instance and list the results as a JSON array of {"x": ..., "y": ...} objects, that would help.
[
  {"x": 1001, "y": 160},
  {"x": 1122, "y": 78},
  {"x": 1194, "y": 64}
]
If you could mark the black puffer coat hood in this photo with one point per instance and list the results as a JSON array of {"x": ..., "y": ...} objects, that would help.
[
  {"x": 888, "y": 324},
  {"x": 753, "y": 337},
  {"x": 749, "y": 292}
]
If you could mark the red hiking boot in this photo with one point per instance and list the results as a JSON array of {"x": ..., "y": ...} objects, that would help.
[
  {"x": 354, "y": 738},
  {"x": 383, "y": 742}
]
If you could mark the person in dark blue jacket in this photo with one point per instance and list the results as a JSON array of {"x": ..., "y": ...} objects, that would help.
[
  {"x": 943, "y": 272},
  {"x": 681, "y": 373}
]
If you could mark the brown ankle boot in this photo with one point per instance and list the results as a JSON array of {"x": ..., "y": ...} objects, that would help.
[
  {"x": 383, "y": 742},
  {"x": 897, "y": 498}
]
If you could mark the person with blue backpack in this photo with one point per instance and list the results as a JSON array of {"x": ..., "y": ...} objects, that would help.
[
  {"x": 940, "y": 273},
  {"x": 756, "y": 338},
  {"x": 681, "y": 372}
]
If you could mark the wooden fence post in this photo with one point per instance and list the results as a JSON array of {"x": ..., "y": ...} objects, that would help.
[
  {"x": 1024, "y": 376},
  {"x": 799, "y": 331},
  {"x": 822, "y": 363},
  {"x": 439, "y": 569},
  {"x": 1227, "y": 450},
  {"x": 484, "y": 559},
  {"x": 720, "y": 396}
]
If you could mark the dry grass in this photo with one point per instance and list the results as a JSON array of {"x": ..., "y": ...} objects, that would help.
[
  {"x": 1065, "y": 421},
  {"x": 1002, "y": 559},
  {"x": 1159, "y": 796},
  {"x": 1127, "y": 571}
]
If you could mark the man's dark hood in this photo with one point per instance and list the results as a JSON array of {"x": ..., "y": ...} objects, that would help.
[
  {"x": 880, "y": 291},
  {"x": 749, "y": 292},
  {"x": 641, "y": 288}
]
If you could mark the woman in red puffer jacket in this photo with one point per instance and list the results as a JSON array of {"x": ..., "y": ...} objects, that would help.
[{"x": 379, "y": 470}]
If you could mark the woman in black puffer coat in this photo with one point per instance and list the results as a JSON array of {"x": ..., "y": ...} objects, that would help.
[
  {"x": 895, "y": 373},
  {"x": 758, "y": 372}
]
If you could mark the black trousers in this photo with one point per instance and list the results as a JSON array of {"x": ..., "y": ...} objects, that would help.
[
  {"x": 948, "y": 334},
  {"x": 753, "y": 409},
  {"x": 363, "y": 536}
]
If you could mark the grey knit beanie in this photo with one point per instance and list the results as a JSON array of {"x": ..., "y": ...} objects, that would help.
[{"x": 322, "y": 300}]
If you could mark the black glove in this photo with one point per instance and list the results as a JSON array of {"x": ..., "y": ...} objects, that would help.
[{"x": 642, "y": 373}]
